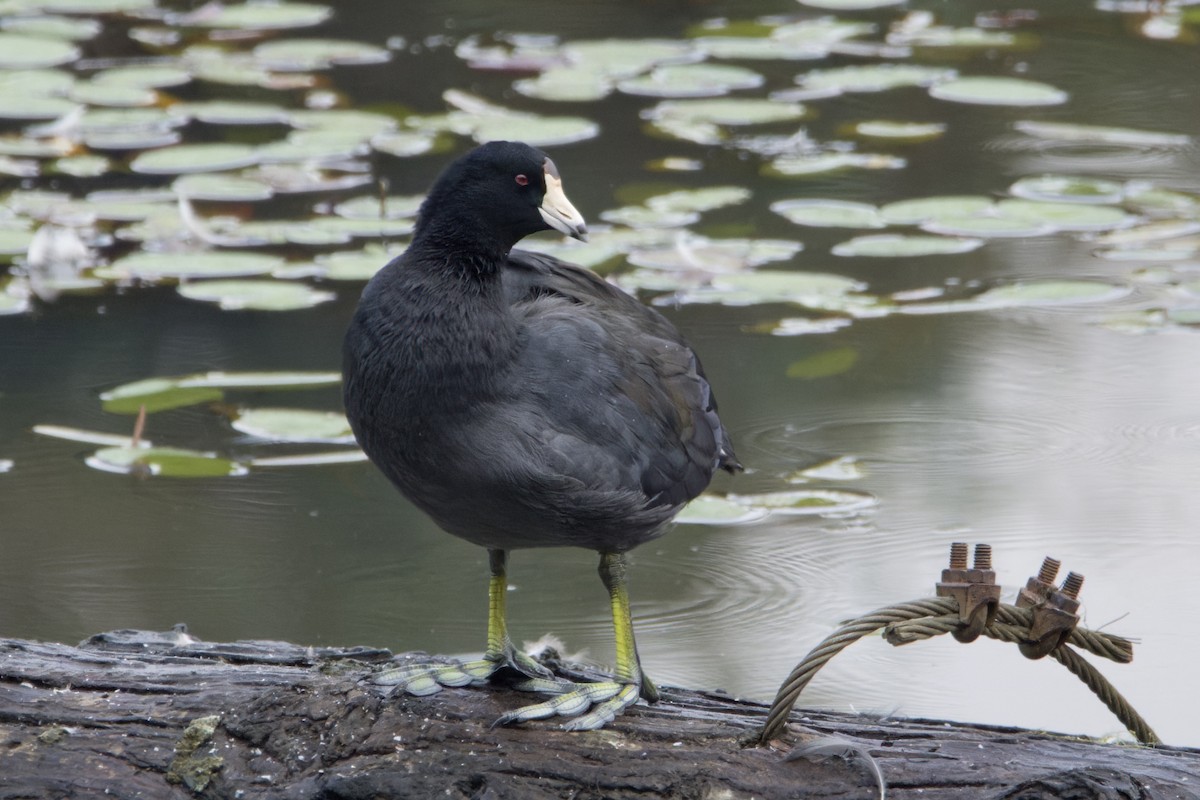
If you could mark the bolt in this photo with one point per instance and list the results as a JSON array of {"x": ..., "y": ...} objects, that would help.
[
  {"x": 958, "y": 555},
  {"x": 983, "y": 556},
  {"x": 1072, "y": 585},
  {"x": 1049, "y": 570}
]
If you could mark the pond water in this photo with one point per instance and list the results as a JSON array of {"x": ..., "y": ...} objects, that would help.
[{"x": 1035, "y": 389}]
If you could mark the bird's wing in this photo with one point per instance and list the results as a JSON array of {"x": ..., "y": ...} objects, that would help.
[{"x": 650, "y": 423}]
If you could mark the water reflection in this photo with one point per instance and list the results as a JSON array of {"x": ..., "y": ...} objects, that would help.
[{"x": 1037, "y": 430}]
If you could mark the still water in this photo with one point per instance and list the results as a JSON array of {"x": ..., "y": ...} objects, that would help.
[{"x": 1040, "y": 429}]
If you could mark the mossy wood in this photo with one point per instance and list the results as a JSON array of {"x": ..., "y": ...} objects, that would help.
[{"x": 138, "y": 714}]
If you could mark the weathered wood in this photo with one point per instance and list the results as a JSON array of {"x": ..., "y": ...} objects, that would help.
[{"x": 139, "y": 715}]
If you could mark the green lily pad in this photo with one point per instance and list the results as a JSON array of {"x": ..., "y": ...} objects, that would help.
[
  {"x": 221, "y": 187},
  {"x": 850, "y": 5},
  {"x": 94, "y": 7},
  {"x": 258, "y": 16},
  {"x": 699, "y": 200},
  {"x": 1068, "y": 189},
  {"x": 1100, "y": 134},
  {"x": 374, "y": 207},
  {"x": 571, "y": 84},
  {"x": 166, "y": 462},
  {"x": 355, "y": 265},
  {"x": 251, "y": 295},
  {"x": 945, "y": 36},
  {"x": 82, "y": 166},
  {"x": 725, "y": 111},
  {"x": 811, "y": 289},
  {"x": 15, "y": 241},
  {"x": 712, "y": 255},
  {"x": 896, "y": 131},
  {"x": 144, "y": 76},
  {"x": 874, "y": 78},
  {"x": 990, "y": 91},
  {"x": 232, "y": 112},
  {"x": 404, "y": 144},
  {"x": 187, "y": 158},
  {"x": 310, "y": 459},
  {"x": 1064, "y": 216},
  {"x": 643, "y": 217},
  {"x": 1050, "y": 292},
  {"x": 988, "y": 227},
  {"x": 259, "y": 380},
  {"x": 295, "y": 425},
  {"x": 898, "y": 246},
  {"x": 314, "y": 54},
  {"x": 156, "y": 394},
  {"x": 536, "y": 130},
  {"x": 17, "y": 104},
  {"x": 824, "y": 365},
  {"x": 112, "y": 95},
  {"x": 924, "y": 209},
  {"x": 800, "y": 502},
  {"x": 842, "y": 468},
  {"x": 19, "y": 51},
  {"x": 710, "y": 509},
  {"x": 87, "y": 437},
  {"x": 691, "y": 80},
  {"x": 150, "y": 266},
  {"x": 803, "y": 166},
  {"x": 54, "y": 27},
  {"x": 820, "y": 213}
]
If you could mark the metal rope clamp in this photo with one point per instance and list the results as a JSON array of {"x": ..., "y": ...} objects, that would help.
[
  {"x": 974, "y": 589},
  {"x": 1054, "y": 610}
]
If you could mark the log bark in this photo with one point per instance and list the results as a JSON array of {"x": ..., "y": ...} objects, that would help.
[{"x": 132, "y": 714}]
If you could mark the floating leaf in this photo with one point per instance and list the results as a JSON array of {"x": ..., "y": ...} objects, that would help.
[
  {"x": 87, "y": 437},
  {"x": 259, "y": 380},
  {"x": 727, "y": 111},
  {"x": 697, "y": 253},
  {"x": 992, "y": 91},
  {"x": 710, "y": 509},
  {"x": 404, "y": 144},
  {"x": 988, "y": 227},
  {"x": 310, "y": 459},
  {"x": 811, "y": 289},
  {"x": 824, "y": 365},
  {"x": 232, "y": 112},
  {"x": 819, "y": 213},
  {"x": 53, "y": 27},
  {"x": 166, "y": 462},
  {"x": 355, "y": 265},
  {"x": 874, "y": 78},
  {"x": 914, "y": 212},
  {"x": 258, "y": 16},
  {"x": 187, "y": 158},
  {"x": 256, "y": 295},
  {"x": 1099, "y": 134},
  {"x": 1050, "y": 292},
  {"x": 112, "y": 94},
  {"x": 1064, "y": 216},
  {"x": 699, "y": 199},
  {"x": 151, "y": 266},
  {"x": 18, "y": 51},
  {"x": 850, "y": 5},
  {"x": 17, "y": 104},
  {"x": 691, "y": 80},
  {"x": 156, "y": 394},
  {"x": 945, "y": 36},
  {"x": 221, "y": 186},
  {"x": 374, "y": 207},
  {"x": 895, "y": 131},
  {"x": 144, "y": 76},
  {"x": 798, "y": 166},
  {"x": 833, "y": 502},
  {"x": 643, "y": 217},
  {"x": 313, "y": 54},
  {"x": 897, "y": 246},
  {"x": 1068, "y": 189},
  {"x": 295, "y": 425}
]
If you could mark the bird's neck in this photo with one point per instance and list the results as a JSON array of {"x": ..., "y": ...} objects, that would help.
[{"x": 477, "y": 252}]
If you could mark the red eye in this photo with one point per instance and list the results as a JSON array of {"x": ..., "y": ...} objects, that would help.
[{"x": 522, "y": 180}]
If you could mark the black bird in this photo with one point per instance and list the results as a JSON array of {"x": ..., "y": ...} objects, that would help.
[{"x": 521, "y": 401}]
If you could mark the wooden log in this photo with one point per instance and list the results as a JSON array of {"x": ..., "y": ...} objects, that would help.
[{"x": 132, "y": 714}]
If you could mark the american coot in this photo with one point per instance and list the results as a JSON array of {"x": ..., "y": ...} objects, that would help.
[{"x": 521, "y": 401}]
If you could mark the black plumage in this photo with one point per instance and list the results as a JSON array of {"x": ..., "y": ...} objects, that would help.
[{"x": 518, "y": 400}]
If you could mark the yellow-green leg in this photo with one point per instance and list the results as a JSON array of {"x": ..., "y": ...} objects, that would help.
[
  {"x": 595, "y": 704},
  {"x": 425, "y": 677}
]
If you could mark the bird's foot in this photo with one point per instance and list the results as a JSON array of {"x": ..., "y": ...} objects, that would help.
[
  {"x": 429, "y": 677},
  {"x": 591, "y": 706}
]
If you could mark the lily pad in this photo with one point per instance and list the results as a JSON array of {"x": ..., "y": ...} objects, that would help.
[
  {"x": 87, "y": 437},
  {"x": 700, "y": 254},
  {"x": 1068, "y": 189},
  {"x": 819, "y": 213},
  {"x": 726, "y": 111},
  {"x": 691, "y": 80},
  {"x": 924, "y": 209},
  {"x": 156, "y": 394},
  {"x": 699, "y": 200},
  {"x": 259, "y": 380},
  {"x": 1050, "y": 292},
  {"x": 643, "y": 217},
  {"x": 991, "y": 91},
  {"x": 811, "y": 289},
  {"x": 899, "y": 246},
  {"x": 314, "y": 54},
  {"x": 1065, "y": 216},
  {"x": 374, "y": 207},
  {"x": 988, "y": 227},
  {"x": 355, "y": 265},
  {"x": 144, "y": 76},
  {"x": 850, "y": 5},
  {"x": 802, "y": 502},
  {"x": 808, "y": 165},
  {"x": 222, "y": 187},
  {"x": 112, "y": 95},
  {"x": 874, "y": 78},
  {"x": 187, "y": 158},
  {"x": 896, "y": 131},
  {"x": 232, "y": 112},
  {"x": 1100, "y": 134},
  {"x": 824, "y": 365},
  {"x": 166, "y": 462},
  {"x": 53, "y": 27},
  {"x": 19, "y": 51},
  {"x": 295, "y": 425},
  {"x": 310, "y": 459},
  {"x": 153, "y": 266},
  {"x": 253, "y": 295},
  {"x": 710, "y": 509},
  {"x": 257, "y": 16}
]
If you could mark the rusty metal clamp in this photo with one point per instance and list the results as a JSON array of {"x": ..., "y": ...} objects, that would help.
[
  {"x": 974, "y": 589},
  {"x": 1054, "y": 610}
]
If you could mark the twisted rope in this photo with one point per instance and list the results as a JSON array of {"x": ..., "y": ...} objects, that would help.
[{"x": 924, "y": 619}]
